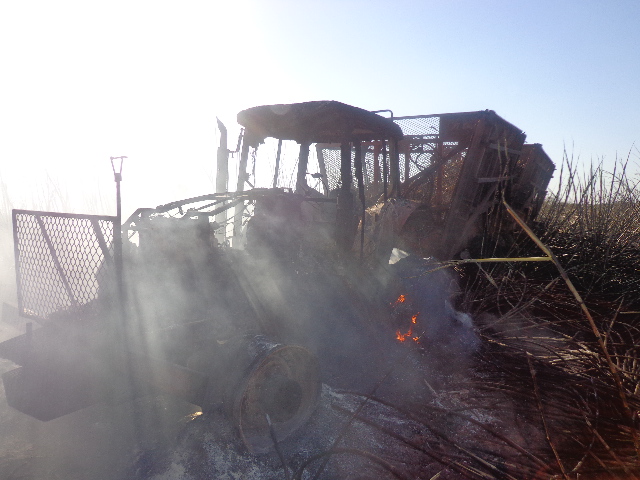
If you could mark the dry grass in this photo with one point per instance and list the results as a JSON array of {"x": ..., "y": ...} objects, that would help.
[{"x": 576, "y": 365}]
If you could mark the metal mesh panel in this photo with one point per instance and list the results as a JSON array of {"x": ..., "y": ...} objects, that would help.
[
  {"x": 421, "y": 147},
  {"x": 331, "y": 156},
  {"x": 431, "y": 159},
  {"x": 427, "y": 125},
  {"x": 451, "y": 164},
  {"x": 420, "y": 144},
  {"x": 61, "y": 260}
]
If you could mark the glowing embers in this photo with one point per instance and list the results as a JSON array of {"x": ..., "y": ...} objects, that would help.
[
  {"x": 402, "y": 337},
  {"x": 402, "y": 305},
  {"x": 401, "y": 299},
  {"x": 193, "y": 416}
]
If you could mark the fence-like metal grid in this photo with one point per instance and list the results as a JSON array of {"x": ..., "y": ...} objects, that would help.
[
  {"x": 373, "y": 164},
  {"x": 420, "y": 144},
  {"x": 431, "y": 158},
  {"x": 423, "y": 148},
  {"x": 454, "y": 165},
  {"x": 330, "y": 155},
  {"x": 62, "y": 260}
]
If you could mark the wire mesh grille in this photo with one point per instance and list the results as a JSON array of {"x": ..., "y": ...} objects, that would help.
[
  {"x": 423, "y": 148},
  {"x": 371, "y": 153},
  {"x": 331, "y": 157},
  {"x": 417, "y": 150},
  {"x": 61, "y": 260},
  {"x": 427, "y": 125}
]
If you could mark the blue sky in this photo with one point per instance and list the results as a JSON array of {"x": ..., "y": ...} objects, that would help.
[{"x": 83, "y": 81}]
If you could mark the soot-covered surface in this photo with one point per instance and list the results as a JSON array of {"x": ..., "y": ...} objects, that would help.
[
  {"x": 395, "y": 415},
  {"x": 362, "y": 437},
  {"x": 400, "y": 430}
]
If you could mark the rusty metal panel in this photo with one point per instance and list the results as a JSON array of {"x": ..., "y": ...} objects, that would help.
[
  {"x": 529, "y": 189},
  {"x": 456, "y": 166},
  {"x": 453, "y": 164},
  {"x": 61, "y": 260},
  {"x": 422, "y": 148}
]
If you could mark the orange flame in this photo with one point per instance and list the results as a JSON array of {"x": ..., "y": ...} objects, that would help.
[
  {"x": 401, "y": 299},
  {"x": 401, "y": 337}
]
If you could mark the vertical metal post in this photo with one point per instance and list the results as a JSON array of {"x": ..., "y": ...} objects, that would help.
[
  {"x": 407, "y": 161},
  {"x": 376, "y": 168},
  {"x": 242, "y": 177},
  {"x": 277, "y": 170},
  {"x": 16, "y": 260},
  {"x": 222, "y": 167},
  {"x": 117, "y": 233},
  {"x": 360, "y": 177},
  {"x": 222, "y": 179},
  {"x": 344, "y": 210},
  {"x": 303, "y": 162},
  {"x": 323, "y": 169},
  {"x": 438, "y": 156},
  {"x": 385, "y": 171},
  {"x": 394, "y": 164}
]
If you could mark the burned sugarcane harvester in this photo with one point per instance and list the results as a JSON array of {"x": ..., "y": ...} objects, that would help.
[{"x": 247, "y": 301}]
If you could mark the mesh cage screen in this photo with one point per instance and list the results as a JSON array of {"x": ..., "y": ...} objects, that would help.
[
  {"x": 417, "y": 150},
  {"x": 429, "y": 142},
  {"x": 61, "y": 260},
  {"x": 331, "y": 156}
]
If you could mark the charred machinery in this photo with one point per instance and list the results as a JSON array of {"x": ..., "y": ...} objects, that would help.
[{"x": 234, "y": 300}]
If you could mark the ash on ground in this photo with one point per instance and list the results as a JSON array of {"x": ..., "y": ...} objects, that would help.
[
  {"x": 442, "y": 425},
  {"x": 454, "y": 432},
  {"x": 413, "y": 410}
]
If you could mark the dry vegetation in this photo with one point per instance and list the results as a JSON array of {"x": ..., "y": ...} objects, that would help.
[{"x": 575, "y": 368}]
